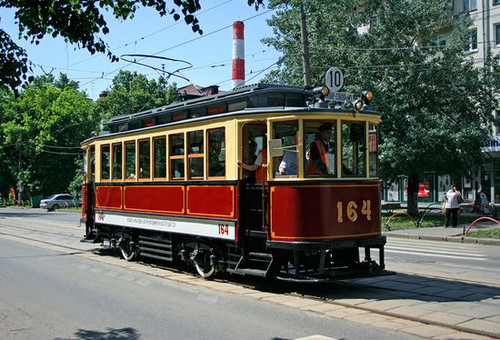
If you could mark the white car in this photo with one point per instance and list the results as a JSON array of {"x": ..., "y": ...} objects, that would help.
[{"x": 57, "y": 201}]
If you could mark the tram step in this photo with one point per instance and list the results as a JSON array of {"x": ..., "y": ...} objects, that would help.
[
  {"x": 254, "y": 264},
  {"x": 256, "y": 233},
  {"x": 265, "y": 256},
  {"x": 248, "y": 271}
]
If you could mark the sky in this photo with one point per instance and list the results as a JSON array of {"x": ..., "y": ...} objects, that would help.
[{"x": 148, "y": 33}]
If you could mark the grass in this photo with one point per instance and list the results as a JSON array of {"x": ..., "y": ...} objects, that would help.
[
  {"x": 433, "y": 219},
  {"x": 490, "y": 233}
]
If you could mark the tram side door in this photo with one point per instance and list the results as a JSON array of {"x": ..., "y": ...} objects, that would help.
[{"x": 252, "y": 190}]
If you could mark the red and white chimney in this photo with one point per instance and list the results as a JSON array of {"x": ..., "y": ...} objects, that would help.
[{"x": 238, "y": 54}]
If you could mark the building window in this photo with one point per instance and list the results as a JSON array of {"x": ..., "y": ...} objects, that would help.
[
  {"x": 496, "y": 2},
  {"x": 472, "y": 42},
  {"x": 497, "y": 33},
  {"x": 436, "y": 44},
  {"x": 470, "y": 5}
]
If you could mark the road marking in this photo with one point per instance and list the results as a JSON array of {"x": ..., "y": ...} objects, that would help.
[
  {"x": 425, "y": 250},
  {"x": 435, "y": 255},
  {"x": 316, "y": 337}
]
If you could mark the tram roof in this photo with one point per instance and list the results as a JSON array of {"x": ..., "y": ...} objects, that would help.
[
  {"x": 248, "y": 99},
  {"x": 256, "y": 94}
]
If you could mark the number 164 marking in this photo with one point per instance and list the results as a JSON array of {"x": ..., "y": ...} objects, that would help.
[{"x": 351, "y": 211}]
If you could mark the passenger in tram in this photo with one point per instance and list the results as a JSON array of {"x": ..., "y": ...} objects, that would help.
[
  {"x": 320, "y": 160},
  {"x": 288, "y": 165},
  {"x": 257, "y": 166}
]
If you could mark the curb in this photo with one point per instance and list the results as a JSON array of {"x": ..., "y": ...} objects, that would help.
[{"x": 457, "y": 239}]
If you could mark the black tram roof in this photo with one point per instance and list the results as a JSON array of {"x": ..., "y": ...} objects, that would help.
[
  {"x": 250, "y": 96},
  {"x": 242, "y": 100}
]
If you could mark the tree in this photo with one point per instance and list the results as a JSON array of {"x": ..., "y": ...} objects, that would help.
[
  {"x": 41, "y": 132},
  {"x": 132, "y": 92},
  {"x": 78, "y": 22},
  {"x": 437, "y": 105}
]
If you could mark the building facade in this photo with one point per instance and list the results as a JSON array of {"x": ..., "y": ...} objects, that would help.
[{"x": 485, "y": 16}]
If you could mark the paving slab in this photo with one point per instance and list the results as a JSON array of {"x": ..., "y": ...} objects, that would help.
[
  {"x": 445, "y": 318},
  {"x": 490, "y": 327},
  {"x": 427, "y": 331}
]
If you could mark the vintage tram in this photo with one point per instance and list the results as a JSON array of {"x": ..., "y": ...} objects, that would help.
[{"x": 183, "y": 183}]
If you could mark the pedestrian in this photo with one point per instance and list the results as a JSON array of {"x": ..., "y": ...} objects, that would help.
[{"x": 453, "y": 198}]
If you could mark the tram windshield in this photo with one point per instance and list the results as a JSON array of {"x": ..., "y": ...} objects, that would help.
[{"x": 326, "y": 148}]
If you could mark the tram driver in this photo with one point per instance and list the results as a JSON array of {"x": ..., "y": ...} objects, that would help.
[{"x": 321, "y": 153}]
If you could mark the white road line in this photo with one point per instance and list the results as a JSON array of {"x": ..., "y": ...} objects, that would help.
[
  {"x": 444, "y": 251},
  {"x": 436, "y": 255}
]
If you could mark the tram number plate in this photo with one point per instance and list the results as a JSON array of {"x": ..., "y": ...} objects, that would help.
[
  {"x": 350, "y": 210},
  {"x": 223, "y": 229}
]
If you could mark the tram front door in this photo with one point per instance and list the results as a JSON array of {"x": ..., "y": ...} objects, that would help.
[{"x": 253, "y": 193}]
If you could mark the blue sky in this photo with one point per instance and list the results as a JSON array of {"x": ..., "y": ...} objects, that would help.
[{"x": 148, "y": 33}]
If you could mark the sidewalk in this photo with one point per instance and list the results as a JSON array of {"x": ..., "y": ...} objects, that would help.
[{"x": 447, "y": 234}]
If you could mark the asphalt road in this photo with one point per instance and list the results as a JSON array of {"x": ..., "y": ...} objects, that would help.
[{"x": 60, "y": 295}]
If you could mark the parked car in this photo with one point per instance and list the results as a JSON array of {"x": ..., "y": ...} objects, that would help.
[{"x": 57, "y": 201}]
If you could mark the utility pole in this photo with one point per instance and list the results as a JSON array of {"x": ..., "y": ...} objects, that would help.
[{"x": 305, "y": 47}]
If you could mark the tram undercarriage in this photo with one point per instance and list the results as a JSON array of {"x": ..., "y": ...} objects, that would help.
[{"x": 296, "y": 261}]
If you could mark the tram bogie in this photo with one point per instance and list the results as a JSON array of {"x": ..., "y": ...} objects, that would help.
[{"x": 249, "y": 188}]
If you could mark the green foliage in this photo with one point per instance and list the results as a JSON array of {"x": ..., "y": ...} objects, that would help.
[
  {"x": 41, "y": 132},
  {"x": 132, "y": 92},
  {"x": 437, "y": 105},
  {"x": 79, "y": 22}
]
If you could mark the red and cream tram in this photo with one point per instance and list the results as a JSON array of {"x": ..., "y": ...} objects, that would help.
[{"x": 168, "y": 184}]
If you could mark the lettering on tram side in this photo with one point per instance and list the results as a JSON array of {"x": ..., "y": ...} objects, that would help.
[
  {"x": 351, "y": 210},
  {"x": 150, "y": 222}
]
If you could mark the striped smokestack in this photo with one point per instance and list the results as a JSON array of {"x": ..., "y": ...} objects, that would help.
[{"x": 238, "y": 54}]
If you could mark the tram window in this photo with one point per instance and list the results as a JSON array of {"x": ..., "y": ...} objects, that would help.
[
  {"x": 160, "y": 157},
  {"x": 176, "y": 156},
  {"x": 130, "y": 160},
  {"x": 216, "y": 153},
  {"x": 144, "y": 159},
  {"x": 195, "y": 154},
  {"x": 105, "y": 162},
  {"x": 353, "y": 149},
  {"x": 117, "y": 161},
  {"x": 286, "y": 165},
  {"x": 321, "y": 151},
  {"x": 373, "y": 149}
]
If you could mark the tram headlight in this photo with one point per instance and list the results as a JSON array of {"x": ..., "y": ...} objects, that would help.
[
  {"x": 366, "y": 97},
  {"x": 358, "y": 105}
]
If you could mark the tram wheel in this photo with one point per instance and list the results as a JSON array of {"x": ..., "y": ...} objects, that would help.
[
  {"x": 205, "y": 263},
  {"x": 128, "y": 247}
]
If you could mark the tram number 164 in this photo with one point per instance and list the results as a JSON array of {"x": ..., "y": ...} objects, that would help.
[
  {"x": 223, "y": 229},
  {"x": 351, "y": 211}
]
